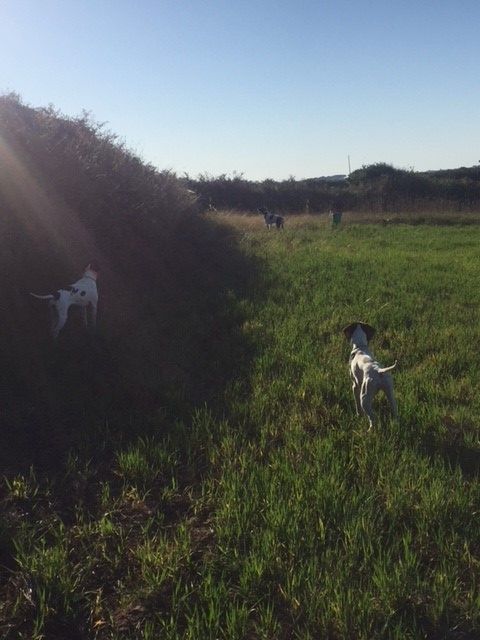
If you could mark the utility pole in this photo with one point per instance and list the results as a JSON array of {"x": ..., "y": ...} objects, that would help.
[{"x": 349, "y": 168}]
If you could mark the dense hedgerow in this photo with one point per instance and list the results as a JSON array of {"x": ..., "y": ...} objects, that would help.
[
  {"x": 78, "y": 190},
  {"x": 70, "y": 193}
]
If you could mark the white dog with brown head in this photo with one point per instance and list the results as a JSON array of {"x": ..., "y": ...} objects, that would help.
[
  {"x": 367, "y": 375},
  {"x": 82, "y": 293}
]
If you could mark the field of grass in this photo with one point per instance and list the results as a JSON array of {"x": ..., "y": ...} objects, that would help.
[{"x": 270, "y": 511}]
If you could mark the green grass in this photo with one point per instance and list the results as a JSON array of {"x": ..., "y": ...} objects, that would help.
[{"x": 272, "y": 512}]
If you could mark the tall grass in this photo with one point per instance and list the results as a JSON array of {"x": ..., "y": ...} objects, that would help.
[{"x": 274, "y": 513}]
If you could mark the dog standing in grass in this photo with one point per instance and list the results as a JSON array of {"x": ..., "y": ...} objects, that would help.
[
  {"x": 367, "y": 375},
  {"x": 272, "y": 219},
  {"x": 82, "y": 293}
]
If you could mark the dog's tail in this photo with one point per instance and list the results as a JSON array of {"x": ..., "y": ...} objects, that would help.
[
  {"x": 47, "y": 297},
  {"x": 386, "y": 369}
]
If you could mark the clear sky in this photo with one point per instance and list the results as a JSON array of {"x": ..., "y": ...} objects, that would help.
[{"x": 270, "y": 89}]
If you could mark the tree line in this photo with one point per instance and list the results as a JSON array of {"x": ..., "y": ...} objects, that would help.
[{"x": 378, "y": 187}]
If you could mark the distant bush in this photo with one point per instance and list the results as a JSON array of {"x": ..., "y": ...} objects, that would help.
[
  {"x": 225, "y": 192},
  {"x": 378, "y": 187}
]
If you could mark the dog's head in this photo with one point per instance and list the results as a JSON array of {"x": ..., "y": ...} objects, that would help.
[
  {"x": 92, "y": 269},
  {"x": 359, "y": 332}
]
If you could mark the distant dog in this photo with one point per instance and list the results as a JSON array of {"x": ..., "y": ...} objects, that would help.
[
  {"x": 272, "y": 219},
  {"x": 367, "y": 375},
  {"x": 82, "y": 293}
]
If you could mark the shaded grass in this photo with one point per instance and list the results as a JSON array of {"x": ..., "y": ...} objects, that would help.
[
  {"x": 283, "y": 517},
  {"x": 153, "y": 358}
]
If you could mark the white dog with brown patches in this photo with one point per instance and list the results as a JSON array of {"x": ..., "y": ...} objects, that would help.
[
  {"x": 367, "y": 375},
  {"x": 82, "y": 293}
]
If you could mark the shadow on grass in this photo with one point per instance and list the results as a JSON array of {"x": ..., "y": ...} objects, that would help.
[
  {"x": 169, "y": 339},
  {"x": 457, "y": 455},
  {"x": 450, "y": 446},
  {"x": 466, "y": 458}
]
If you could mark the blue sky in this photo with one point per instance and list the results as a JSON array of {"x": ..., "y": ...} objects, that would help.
[{"x": 268, "y": 89}]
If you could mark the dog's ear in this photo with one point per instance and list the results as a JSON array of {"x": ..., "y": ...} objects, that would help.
[
  {"x": 92, "y": 266},
  {"x": 369, "y": 331},
  {"x": 350, "y": 328}
]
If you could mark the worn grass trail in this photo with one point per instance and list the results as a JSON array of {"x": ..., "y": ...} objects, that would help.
[{"x": 279, "y": 515}]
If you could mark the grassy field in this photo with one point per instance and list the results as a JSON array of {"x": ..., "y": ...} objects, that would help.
[{"x": 270, "y": 511}]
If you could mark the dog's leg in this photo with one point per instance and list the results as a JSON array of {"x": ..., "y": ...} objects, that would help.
[
  {"x": 366, "y": 396},
  {"x": 356, "y": 394},
  {"x": 61, "y": 320}
]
